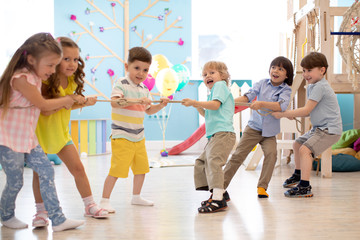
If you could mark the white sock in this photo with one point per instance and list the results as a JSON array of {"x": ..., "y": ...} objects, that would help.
[
  {"x": 218, "y": 194},
  {"x": 14, "y": 223},
  {"x": 68, "y": 224},
  {"x": 105, "y": 204},
  {"x": 90, "y": 200},
  {"x": 40, "y": 207},
  {"x": 138, "y": 200}
]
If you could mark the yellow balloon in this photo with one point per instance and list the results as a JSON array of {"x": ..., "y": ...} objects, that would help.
[
  {"x": 158, "y": 62},
  {"x": 167, "y": 81}
]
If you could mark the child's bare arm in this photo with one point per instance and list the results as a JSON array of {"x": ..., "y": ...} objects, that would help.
[
  {"x": 241, "y": 99},
  {"x": 157, "y": 107},
  {"x": 31, "y": 93},
  {"x": 274, "y": 106},
  {"x": 299, "y": 112},
  {"x": 211, "y": 105}
]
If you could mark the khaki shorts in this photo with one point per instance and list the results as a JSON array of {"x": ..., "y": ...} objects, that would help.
[
  {"x": 126, "y": 154},
  {"x": 318, "y": 140}
]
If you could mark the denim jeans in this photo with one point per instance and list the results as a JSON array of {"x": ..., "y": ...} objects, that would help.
[{"x": 13, "y": 165}]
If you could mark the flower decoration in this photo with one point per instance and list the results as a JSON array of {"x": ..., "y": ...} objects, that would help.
[
  {"x": 161, "y": 17},
  {"x": 87, "y": 57},
  {"x": 149, "y": 36},
  {"x": 91, "y": 23},
  {"x": 93, "y": 70},
  {"x": 87, "y": 11},
  {"x": 73, "y": 17},
  {"x": 101, "y": 29},
  {"x": 113, "y": 4},
  {"x": 180, "y": 42},
  {"x": 133, "y": 28},
  {"x": 166, "y": 11},
  {"x": 179, "y": 18},
  {"x": 110, "y": 72}
]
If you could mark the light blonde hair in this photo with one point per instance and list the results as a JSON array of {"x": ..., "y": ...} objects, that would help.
[{"x": 220, "y": 67}]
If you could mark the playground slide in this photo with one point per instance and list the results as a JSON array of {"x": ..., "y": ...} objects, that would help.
[{"x": 199, "y": 133}]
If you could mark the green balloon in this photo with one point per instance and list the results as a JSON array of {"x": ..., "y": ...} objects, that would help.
[{"x": 183, "y": 74}]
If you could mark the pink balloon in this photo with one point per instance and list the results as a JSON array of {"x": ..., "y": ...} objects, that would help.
[{"x": 149, "y": 82}]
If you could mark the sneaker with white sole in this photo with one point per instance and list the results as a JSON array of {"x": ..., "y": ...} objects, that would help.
[
  {"x": 292, "y": 181},
  {"x": 299, "y": 192}
]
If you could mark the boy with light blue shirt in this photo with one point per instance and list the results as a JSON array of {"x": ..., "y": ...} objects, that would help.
[
  {"x": 272, "y": 94},
  {"x": 218, "y": 111},
  {"x": 324, "y": 111}
]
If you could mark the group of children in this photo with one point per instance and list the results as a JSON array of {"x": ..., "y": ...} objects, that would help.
[{"x": 43, "y": 82}]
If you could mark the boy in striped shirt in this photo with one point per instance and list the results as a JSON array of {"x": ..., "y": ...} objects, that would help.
[{"x": 127, "y": 138}]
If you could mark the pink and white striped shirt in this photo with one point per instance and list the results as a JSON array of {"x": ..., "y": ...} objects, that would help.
[{"x": 17, "y": 129}]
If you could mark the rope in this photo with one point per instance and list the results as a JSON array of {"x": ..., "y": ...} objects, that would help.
[{"x": 269, "y": 112}]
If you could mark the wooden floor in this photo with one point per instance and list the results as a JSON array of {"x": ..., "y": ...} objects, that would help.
[{"x": 333, "y": 212}]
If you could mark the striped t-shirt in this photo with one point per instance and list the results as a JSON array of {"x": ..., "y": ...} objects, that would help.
[{"x": 128, "y": 122}]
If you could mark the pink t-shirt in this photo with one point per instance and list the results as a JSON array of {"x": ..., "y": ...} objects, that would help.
[{"x": 17, "y": 129}]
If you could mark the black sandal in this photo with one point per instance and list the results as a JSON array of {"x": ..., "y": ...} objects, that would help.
[
  {"x": 225, "y": 195},
  {"x": 213, "y": 206}
]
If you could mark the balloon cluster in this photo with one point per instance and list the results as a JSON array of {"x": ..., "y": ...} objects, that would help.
[{"x": 168, "y": 78}]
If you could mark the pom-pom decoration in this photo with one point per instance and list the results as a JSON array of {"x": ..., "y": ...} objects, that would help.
[
  {"x": 110, "y": 72},
  {"x": 113, "y": 4},
  {"x": 93, "y": 70},
  {"x": 73, "y": 17},
  {"x": 87, "y": 11},
  {"x": 101, "y": 29},
  {"x": 181, "y": 42}
]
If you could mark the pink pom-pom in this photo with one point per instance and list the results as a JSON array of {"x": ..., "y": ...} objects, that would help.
[
  {"x": 110, "y": 72},
  {"x": 73, "y": 17}
]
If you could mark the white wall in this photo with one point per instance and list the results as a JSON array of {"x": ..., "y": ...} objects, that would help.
[{"x": 19, "y": 20}]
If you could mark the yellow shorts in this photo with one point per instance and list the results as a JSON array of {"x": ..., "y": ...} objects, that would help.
[{"x": 126, "y": 154}]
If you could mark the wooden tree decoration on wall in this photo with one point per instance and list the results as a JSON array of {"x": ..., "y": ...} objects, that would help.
[{"x": 124, "y": 27}]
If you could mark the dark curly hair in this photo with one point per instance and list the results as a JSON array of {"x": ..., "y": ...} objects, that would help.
[{"x": 51, "y": 89}]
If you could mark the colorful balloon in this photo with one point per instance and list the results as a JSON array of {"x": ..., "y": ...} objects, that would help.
[
  {"x": 158, "y": 62},
  {"x": 183, "y": 74},
  {"x": 149, "y": 82},
  {"x": 167, "y": 81}
]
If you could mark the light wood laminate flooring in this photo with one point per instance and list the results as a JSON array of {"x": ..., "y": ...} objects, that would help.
[{"x": 333, "y": 212}]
